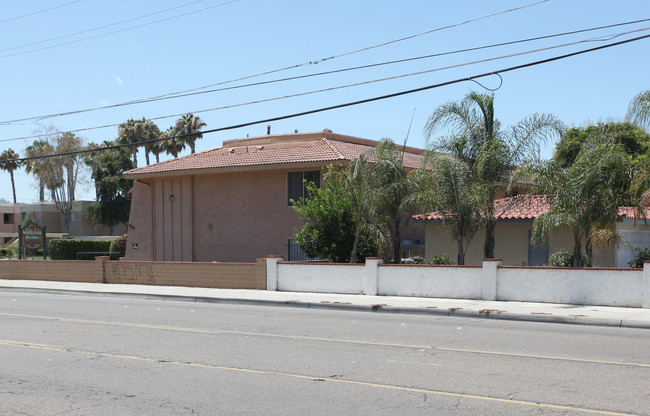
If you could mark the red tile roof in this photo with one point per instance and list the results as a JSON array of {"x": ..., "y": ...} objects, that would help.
[
  {"x": 257, "y": 153},
  {"x": 524, "y": 208}
]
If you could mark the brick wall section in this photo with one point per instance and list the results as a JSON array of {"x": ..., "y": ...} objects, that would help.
[
  {"x": 210, "y": 275},
  {"x": 68, "y": 271}
]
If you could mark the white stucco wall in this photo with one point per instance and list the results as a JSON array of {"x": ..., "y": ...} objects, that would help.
[
  {"x": 320, "y": 278},
  {"x": 430, "y": 281},
  {"x": 589, "y": 286},
  {"x": 622, "y": 287}
]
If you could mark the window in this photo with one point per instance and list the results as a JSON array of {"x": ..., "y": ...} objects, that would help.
[
  {"x": 297, "y": 184},
  {"x": 8, "y": 218}
]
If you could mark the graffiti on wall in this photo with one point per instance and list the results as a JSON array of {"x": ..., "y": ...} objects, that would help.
[{"x": 133, "y": 273}]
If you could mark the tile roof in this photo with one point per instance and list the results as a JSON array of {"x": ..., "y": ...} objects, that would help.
[
  {"x": 320, "y": 150},
  {"x": 524, "y": 208}
]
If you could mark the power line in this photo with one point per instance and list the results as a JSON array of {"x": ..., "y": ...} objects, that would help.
[
  {"x": 38, "y": 12},
  {"x": 345, "y": 86},
  {"x": 99, "y": 27},
  {"x": 181, "y": 95},
  {"x": 348, "y": 104},
  {"x": 116, "y": 31}
]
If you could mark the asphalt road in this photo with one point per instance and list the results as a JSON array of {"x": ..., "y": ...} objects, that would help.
[{"x": 75, "y": 355}]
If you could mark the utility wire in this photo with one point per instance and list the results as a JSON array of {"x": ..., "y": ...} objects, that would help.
[
  {"x": 38, "y": 12},
  {"x": 348, "y": 104},
  {"x": 600, "y": 39},
  {"x": 317, "y": 61},
  {"x": 181, "y": 95},
  {"x": 99, "y": 27},
  {"x": 116, "y": 31}
]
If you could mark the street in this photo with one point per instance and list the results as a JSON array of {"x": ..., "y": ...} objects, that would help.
[{"x": 90, "y": 355}]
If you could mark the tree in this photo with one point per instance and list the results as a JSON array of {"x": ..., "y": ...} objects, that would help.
[
  {"x": 638, "y": 111},
  {"x": 62, "y": 173},
  {"x": 454, "y": 197},
  {"x": 112, "y": 206},
  {"x": 38, "y": 165},
  {"x": 585, "y": 196},
  {"x": 634, "y": 140},
  {"x": 9, "y": 163},
  {"x": 394, "y": 192},
  {"x": 189, "y": 127},
  {"x": 173, "y": 145},
  {"x": 134, "y": 132},
  {"x": 475, "y": 137},
  {"x": 330, "y": 225}
]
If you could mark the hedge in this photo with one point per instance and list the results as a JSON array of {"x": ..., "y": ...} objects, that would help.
[{"x": 67, "y": 249}]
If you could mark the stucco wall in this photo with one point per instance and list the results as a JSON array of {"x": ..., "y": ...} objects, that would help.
[
  {"x": 335, "y": 278},
  {"x": 429, "y": 281}
]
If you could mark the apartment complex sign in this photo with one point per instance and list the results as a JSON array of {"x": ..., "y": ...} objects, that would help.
[{"x": 31, "y": 236}]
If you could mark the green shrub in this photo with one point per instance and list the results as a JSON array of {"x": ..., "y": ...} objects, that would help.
[
  {"x": 117, "y": 247},
  {"x": 642, "y": 255},
  {"x": 67, "y": 249},
  {"x": 442, "y": 259},
  {"x": 564, "y": 258}
]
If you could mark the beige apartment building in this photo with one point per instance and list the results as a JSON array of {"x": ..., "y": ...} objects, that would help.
[
  {"x": 45, "y": 213},
  {"x": 231, "y": 204}
]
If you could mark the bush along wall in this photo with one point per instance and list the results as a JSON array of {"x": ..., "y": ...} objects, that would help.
[{"x": 67, "y": 249}]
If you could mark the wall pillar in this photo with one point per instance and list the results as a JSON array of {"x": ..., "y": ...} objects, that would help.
[
  {"x": 371, "y": 275},
  {"x": 272, "y": 272},
  {"x": 645, "y": 286},
  {"x": 99, "y": 268},
  {"x": 489, "y": 279}
]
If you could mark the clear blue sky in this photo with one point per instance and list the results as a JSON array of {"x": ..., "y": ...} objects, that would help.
[{"x": 246, "y": 37}]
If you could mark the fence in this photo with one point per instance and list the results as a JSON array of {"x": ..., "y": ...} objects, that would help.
[{"x": 586, "y": 286}]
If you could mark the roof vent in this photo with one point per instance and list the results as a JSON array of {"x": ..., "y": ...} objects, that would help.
[
  {"x": 327, "y": 131},
  {"x": 231, "y": 150},
  {"x": 259, "y": 147},
  {"x": 268, "y": 129}
]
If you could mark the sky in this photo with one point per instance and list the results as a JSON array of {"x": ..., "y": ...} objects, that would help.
[{"x": 59, "y": 56}]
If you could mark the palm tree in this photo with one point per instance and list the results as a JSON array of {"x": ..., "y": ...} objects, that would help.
[
  {"x": 395, "y": 193},
  {"x": 454, "y": 197},
  {"x": 173, "y": 145},
  {"x": 584, "y": 197},
  {"x": 9, "y": 163},
  {"x": 638, "y": 112},
  {"x": 134, "y": 132},
  {"x": 189, "y": 127},
  {"x": 475, "y": 137},
  {"x": 37, "y": 166}
]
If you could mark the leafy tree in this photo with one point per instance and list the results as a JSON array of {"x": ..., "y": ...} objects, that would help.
[
  {"x": 113, "y": 205},
  {"x": 475, "y": 136},
  {"x": 189, "y": 126},
  {"x": 585, "y": 196},
  {"x": 632, "y": 138},
  {"x": 9, "y": 163},
  {"x": 329, "y": 218}
]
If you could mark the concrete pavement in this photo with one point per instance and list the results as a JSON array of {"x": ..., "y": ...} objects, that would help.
[{"x": 518, "y": 311}]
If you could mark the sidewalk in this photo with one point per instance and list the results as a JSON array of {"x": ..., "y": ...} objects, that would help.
[{"x": 516, "y": 311}]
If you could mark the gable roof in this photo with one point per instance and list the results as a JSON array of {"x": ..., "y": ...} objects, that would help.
[
  {"x": 323, "y": 147},
  {"x": 524, "y": 208}
]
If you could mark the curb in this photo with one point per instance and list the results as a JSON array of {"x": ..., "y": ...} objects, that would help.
[{"x": 380, "y": 308}]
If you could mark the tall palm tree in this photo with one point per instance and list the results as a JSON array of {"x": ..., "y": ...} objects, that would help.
[
  {"x": 38, "y": 166},
  {"x": 134, "y": 132},
  {"x": 474, "y": 135},
  {"x": 638, "y": 111},
  {"x": 9, "y": 163},
  {"x": 189, "y": 126},
  {"x": 173, "y": 145}
]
